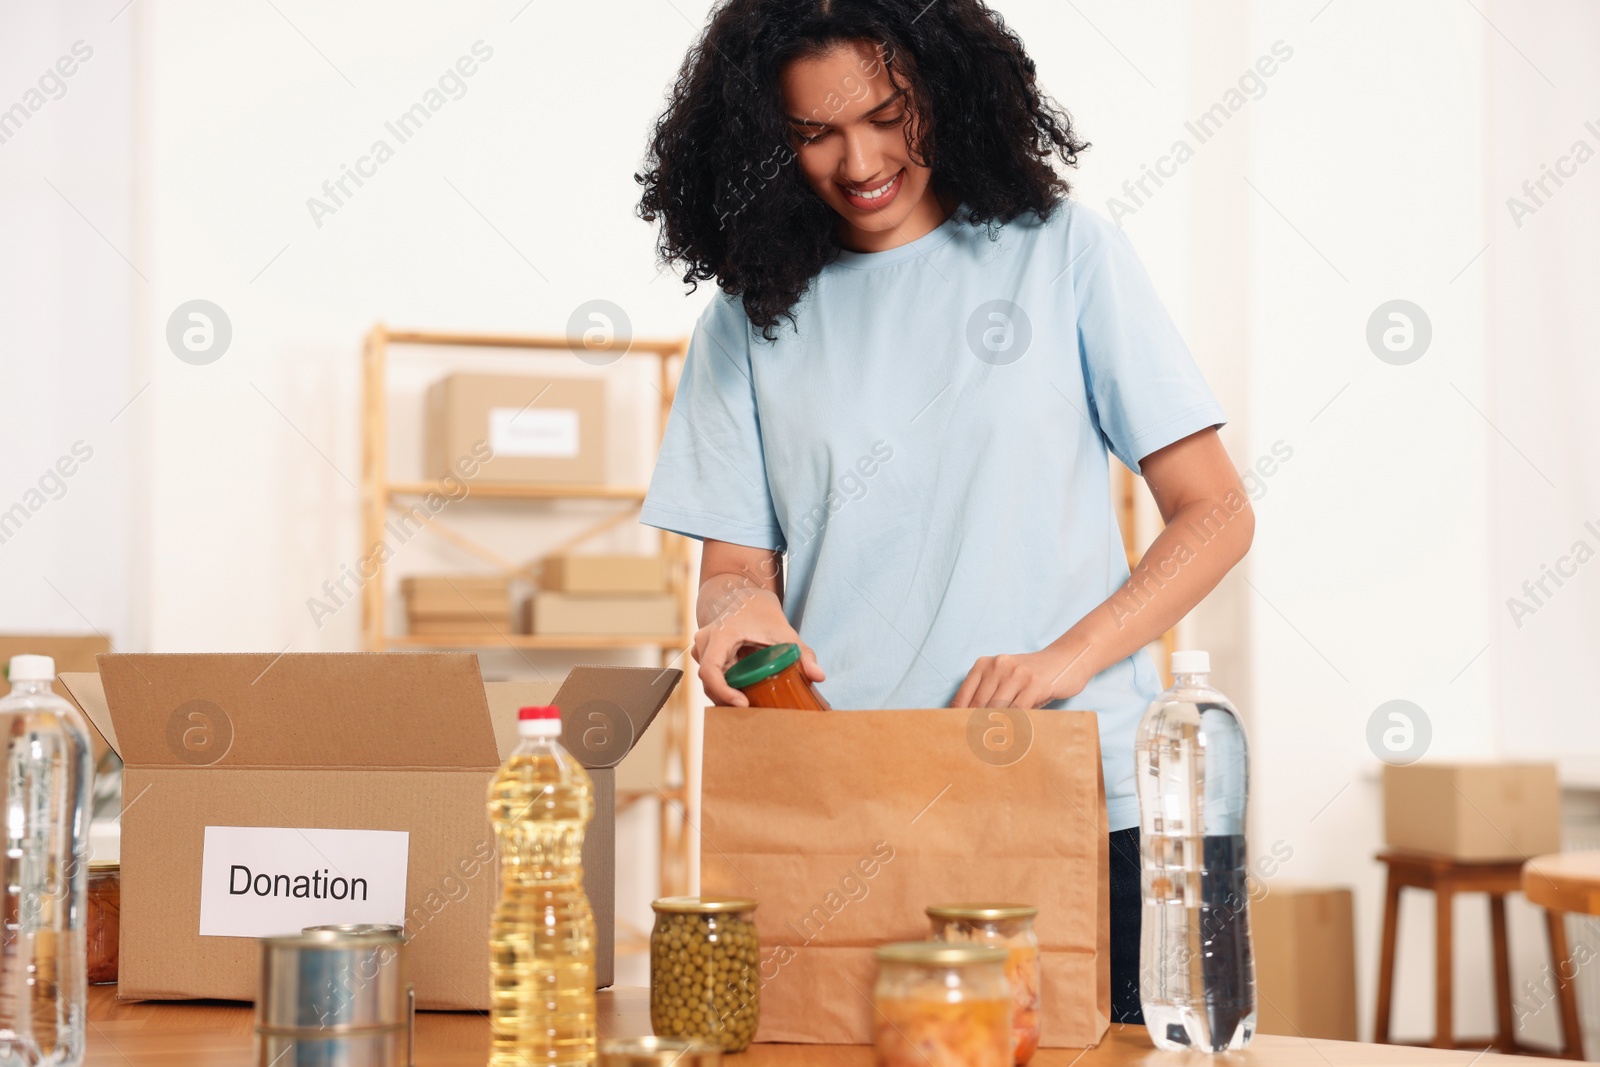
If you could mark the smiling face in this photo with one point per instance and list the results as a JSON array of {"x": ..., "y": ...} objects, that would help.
[{"x": 849, "y": 124}]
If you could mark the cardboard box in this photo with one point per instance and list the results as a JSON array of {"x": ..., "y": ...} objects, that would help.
[
  {"x": 72, "y": 652},
  {"x": 604, "y": 574},
  {"x": 457, "y": 595},
  {"x": 1473, "y": 811},
  {"x": 538, "y": 429},
  {"x": 458, "y": 604},
  {"x": 1304, "y": 938},
  {"x": 438, "y": 624},
  {"x": 320, "y": 745},
  {"x": 572, "y": 613}
]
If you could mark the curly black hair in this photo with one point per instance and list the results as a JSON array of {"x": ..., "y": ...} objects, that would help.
[{"x": 721, "y": 174}]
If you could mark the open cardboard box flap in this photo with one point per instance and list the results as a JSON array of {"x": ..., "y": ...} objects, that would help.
[
  {"x": 340, "y": 710},
  {"x": 604, "y": 711},
  {"x": 385, "y": 741}
]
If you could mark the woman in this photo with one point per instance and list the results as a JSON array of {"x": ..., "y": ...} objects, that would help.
[{"x": 892, "y": 424}]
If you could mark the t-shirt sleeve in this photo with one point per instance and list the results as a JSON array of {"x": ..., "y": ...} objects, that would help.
[
  {"x": 710, "y": 480},
  {"x": 1144, "y": 387}
]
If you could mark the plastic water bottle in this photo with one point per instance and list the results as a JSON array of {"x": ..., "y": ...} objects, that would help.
[
  {"x": 49, "y": 775},
  {"x": 541, "y": 942},
  {"x": 1196, "y": 972}
]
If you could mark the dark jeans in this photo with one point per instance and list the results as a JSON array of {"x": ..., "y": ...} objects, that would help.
[{"x": 1125, "y": 910}]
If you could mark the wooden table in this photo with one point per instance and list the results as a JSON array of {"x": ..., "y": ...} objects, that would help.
[
  {"x": 1564, "y": 881},
  {"x": 201, "y": 1034}
]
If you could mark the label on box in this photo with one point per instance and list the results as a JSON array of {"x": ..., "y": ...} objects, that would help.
[
  {"x": 259, "y": 881},
  {"x": 548, "y": 433}
]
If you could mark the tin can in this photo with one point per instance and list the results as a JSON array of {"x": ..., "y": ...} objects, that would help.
[
  {"x": 334, "y": 997},
  {"x": 658, "y": 1052}
]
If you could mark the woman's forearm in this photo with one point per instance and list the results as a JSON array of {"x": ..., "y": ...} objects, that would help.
[
  {"x": 724, "y": 593},
  {"x": 733, "y": 575},
  {"x": 1199, "y": 545},
  {"x": 741, "y": 604}
]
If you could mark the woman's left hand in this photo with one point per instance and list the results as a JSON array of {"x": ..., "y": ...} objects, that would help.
[{"x": 1029, "y": 680}]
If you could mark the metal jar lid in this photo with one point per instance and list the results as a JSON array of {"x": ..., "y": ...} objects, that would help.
[
  {"x": 703, "y": 905},
  {"x": 658, "y": 1052},
  {"x": 941, "y": 953},
  {"x": 325, "y": 983},
  {"x": 981, "y": 912},
  {"x": 359, "y": 930}
]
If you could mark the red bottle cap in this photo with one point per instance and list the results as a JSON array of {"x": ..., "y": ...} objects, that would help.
[{"x": 539, "y": 711}]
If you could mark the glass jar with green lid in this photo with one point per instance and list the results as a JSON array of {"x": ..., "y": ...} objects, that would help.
[
  {"x": 771, "y": 678},
  {"x": 938, "y": 1004},
  {"x": 1009, "y": 926},
  {"x": 704, "y": 970}
]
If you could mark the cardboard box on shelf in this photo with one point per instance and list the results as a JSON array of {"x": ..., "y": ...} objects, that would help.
[
  {"x": 456, "y": 595},
  {"x": 457, "y": 604},
  {"x": 538, "y": 429},
  {"x": 72, "y": 652},
  {"x": 1473, "y": 811},
  {"x": 572, "y": 614},
  {"x": 299, "y": 776},
  {"x": 1304, "y": 939},
  {"x": 490, "y": 628},
  {"x": 604, "y": 574}
]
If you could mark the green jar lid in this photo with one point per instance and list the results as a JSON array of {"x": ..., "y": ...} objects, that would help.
[{"x": 762, "y": 664}]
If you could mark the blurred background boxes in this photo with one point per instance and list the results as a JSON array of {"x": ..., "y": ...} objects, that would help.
[
  {"x": 1304, "y": 938},
  {"x": 604, "y": 574},
  {"x": 457, "y": 604},
  {"x": 576, "y": 613},
  {"x": 1478, "y": 812},
  {"x": 539, "y": 429},
  {"x": 72, "y": 652}
]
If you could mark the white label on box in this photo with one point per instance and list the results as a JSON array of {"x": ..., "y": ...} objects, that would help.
[
  {"x": 548, "y": 433},
  {"x": 259, "y": 881}
]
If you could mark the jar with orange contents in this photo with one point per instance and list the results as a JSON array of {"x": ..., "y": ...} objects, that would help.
[
  {"x": 941, "y": 1005},
  {"x": 1007, "y": 926},
  {"x": 103, "y": 922},
  {"x": 771, "y": 678}
]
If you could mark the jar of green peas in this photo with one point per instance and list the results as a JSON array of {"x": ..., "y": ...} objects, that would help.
[{"x": 704, "y": 978}]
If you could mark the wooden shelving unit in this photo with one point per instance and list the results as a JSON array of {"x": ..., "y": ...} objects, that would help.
[{"x": 381, "y": 495}]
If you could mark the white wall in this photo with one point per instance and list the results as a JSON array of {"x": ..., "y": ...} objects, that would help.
[
  {"x": 66, "y": 290},
  {"x": 1544, "y": 379},
  {"x": 255, "y": 456},
  {"x": 1367, "y": 167}
]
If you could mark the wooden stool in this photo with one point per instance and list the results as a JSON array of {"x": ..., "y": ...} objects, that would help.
[{"x": 1444, "y": 878}]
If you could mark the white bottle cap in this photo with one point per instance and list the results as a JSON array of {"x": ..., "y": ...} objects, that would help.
[
  {"x": 26, "y": 668},
  {"x": 1191, "y": 662}
]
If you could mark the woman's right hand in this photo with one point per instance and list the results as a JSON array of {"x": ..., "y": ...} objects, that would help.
[{"x": 742, "y": 616}]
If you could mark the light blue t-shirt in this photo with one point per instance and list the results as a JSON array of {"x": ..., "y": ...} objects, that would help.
[{"x": 927, "y": 444}]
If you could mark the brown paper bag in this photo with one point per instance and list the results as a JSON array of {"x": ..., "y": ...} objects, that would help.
[{"x": 846, "y": 825}]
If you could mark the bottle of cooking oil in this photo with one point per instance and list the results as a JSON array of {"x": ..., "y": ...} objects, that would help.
[{"x": 541, "y": 942}]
